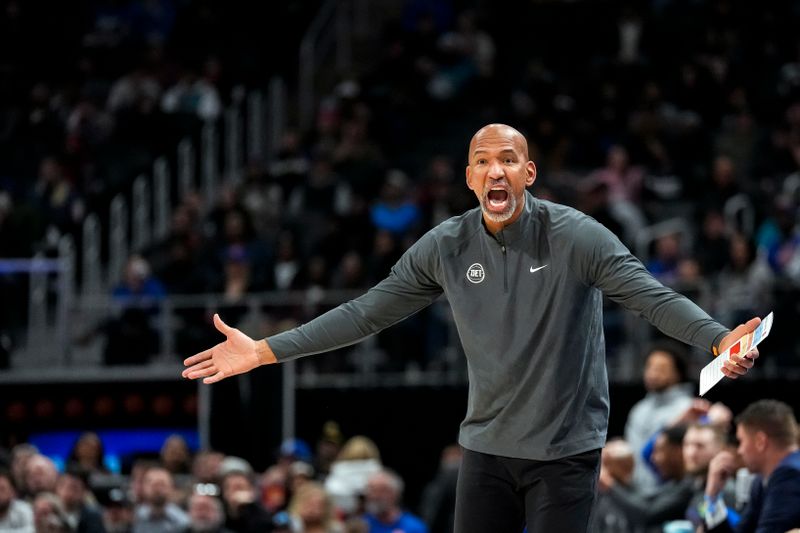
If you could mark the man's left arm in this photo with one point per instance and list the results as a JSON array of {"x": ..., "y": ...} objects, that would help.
[{"x": 604, "y": 262}]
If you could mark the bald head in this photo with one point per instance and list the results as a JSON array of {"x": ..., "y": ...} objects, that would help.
[{"x": 498, "y": 132}]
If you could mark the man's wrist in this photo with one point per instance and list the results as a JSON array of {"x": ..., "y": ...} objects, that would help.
[{"x": 265, "y": 354}]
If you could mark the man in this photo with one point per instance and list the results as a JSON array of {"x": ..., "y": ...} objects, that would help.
[
  {"x": 156, "y": 513},
  {"x": 767, "y": 433},
  {"x": 669, "y": 503},
  {"x": 16, "y": 516},
  {"x": 616, "y": 469},
  {"x": 525, "y": 280},
  {"x": 701, "y": 444},
  {"x": 40, "y": 475},
  {"x": 71, "y": 489},
  {"x": 383, "y": 512},
  {"x": 668, "y": 396},
  {"x": 242, "y": 510},
  {"x": 206, "y": 514}
]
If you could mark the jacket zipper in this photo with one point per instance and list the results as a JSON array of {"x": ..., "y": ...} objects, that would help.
[{"x": 505, "y": 261}]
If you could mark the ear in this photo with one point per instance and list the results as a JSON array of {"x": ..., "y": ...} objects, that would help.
[
  {"x": 760, "y": 440},
  {"x": 469, "y": 178},
  {"x": 530, "y": 168}
]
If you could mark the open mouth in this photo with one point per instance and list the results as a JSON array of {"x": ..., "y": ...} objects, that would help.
[{"x": 497, "y": 199}]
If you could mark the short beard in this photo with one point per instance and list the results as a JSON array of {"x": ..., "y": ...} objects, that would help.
[{"x": 499, "y": 217}]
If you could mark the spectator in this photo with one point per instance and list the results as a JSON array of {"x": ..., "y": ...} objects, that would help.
[
  {"x": 674, "y": 494},
  {"x": 192, "y": 95},
  {"x": 62, "y": 206},
  {"x": 747, "y": 283},
  {"x": 439, "y": 497},
  {"x": 667, "y": 398},
  {"x": 49, "y": 515},
  {"x": 624, "y": 181},
  {"x": 328, "y": 447},
  {"x": 206, "y": 466},
  {"x": 242, "y": 510},
  {"x": 395, "y": 211},
  {"x": 347, "y": 481},
  {"x": 206, "y": 515},
  {"x": 311, "y": 510},
  {"x": 20, "y": 455},
  {"x": 71, "y": 488},
  {"x": 157, "y": 513},
  {"x": 382, "y": 505},
  {"x": 131, "y": 337},
  {"x": 175, "y": 455},
  {"x": 40, "y": 475},
  {"x": 117, "y": 512},
  {"x": 88, "y": 454},
  {"x": 616, "y": 469},
  {"x": 767, "y": 432},
  {"x": 701, "y": 444},
  {"x": 16, "y": 516}
]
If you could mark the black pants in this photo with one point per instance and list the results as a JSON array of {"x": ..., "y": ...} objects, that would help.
[{"x": 501, "y": 495}]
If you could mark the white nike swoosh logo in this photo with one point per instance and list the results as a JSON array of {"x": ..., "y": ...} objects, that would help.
[{"x": 537, "y": 268}]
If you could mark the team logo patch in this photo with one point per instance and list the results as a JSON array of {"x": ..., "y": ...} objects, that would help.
[{"x": 475, "y": 273}]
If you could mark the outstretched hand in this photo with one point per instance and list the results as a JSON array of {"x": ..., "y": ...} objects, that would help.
[
  {"x": 739, "y": 364},
  {"x": 237, "y": 354}
]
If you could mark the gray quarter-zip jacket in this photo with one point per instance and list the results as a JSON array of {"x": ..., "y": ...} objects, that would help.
[{"x": 527, "y": 304}]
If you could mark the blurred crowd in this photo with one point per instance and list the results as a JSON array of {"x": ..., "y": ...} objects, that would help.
[
  {"x": 339, "y": 486},
  {"x": 650, "y": 123},
  {"x": 679, "y": 458}
]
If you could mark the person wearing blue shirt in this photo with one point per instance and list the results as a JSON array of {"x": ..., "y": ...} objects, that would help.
[
  {"x": 382, "y": 504},
  {"x": 767, "y": 432}
]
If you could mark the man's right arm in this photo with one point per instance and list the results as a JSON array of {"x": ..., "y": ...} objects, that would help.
[{"x": 413, "y": 284}]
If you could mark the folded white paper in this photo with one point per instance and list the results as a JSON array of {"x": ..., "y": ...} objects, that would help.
[{"x": 712, "y": 372}]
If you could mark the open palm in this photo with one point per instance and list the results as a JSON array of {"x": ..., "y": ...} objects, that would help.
[{"x": 235, "y": 355}]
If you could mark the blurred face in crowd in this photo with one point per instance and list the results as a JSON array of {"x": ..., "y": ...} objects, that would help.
[
  {"x": 700, "y": 445},
  {"x": 206, "y": 466},
  {"x": 498, "y": 173},
  {"x": 7, "y": 495},
  {"x": 313, "y": 505},
  {"x": 89, "y": 449},
  {"x": 175, "y": 453},
  {"x": 382, "y": 495},
  {"x": 752, "y": 444},
  {"x": 617, "y": 458},
  {"x": 40, "y": 474},
  {"x": 157, "y": 487},
  {"x": 668, "y": 458},
  {"x": 45, "y": 514},
  {"x": 71, "y": 491},
  {"x": 660, "y": 372},
  {"x": 205, "y": 512},
  {"x": 237, "y": 490}
]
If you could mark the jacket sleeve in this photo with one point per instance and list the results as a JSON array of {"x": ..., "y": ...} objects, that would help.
[
  {"x": 601, "y": 260},
  {"x": 413, "y": 284}
]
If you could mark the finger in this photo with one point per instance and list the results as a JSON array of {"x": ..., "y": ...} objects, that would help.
[
  {"x": 735, "y": 368},
  {"x": 222, "y": 327},
  {"x": 198, "y": 358},
  {"x": 199, "y": 366},
  {"x": 727, "y": 372},
  {"x": 743, "y": 361},
  {"x": 751, "y": 325},
  {"x": 752, "y": 354},
  {"x": 203, "y": 372},
  {"x": 216, "y": 377}
]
